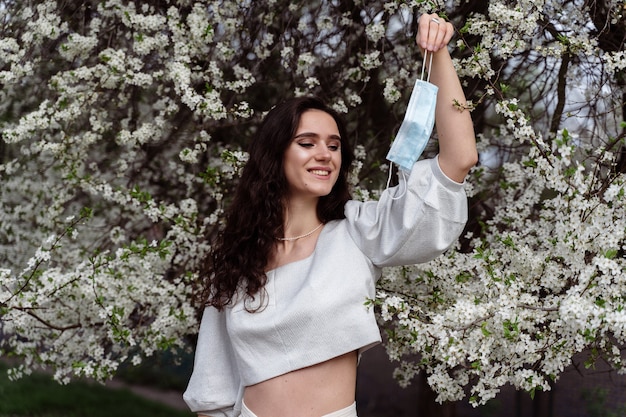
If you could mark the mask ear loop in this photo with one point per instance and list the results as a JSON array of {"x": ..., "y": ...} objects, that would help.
[
  {"x": 430, "y": 66},
  {"x": 403, "y": 177}
]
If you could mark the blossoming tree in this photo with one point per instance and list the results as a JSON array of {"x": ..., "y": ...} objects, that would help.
[{"x": 123, "y": 124}]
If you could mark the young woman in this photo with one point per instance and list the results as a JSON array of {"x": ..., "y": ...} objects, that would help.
[{"x": 289, "y": 275}]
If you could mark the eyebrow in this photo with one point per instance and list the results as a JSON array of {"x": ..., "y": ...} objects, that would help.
[{"x": 315, "y": 135}]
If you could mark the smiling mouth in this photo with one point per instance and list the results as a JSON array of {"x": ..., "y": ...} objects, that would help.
[{"x": 320, "y": 172}]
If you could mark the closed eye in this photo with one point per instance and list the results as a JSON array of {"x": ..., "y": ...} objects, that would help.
[{"x": 310, "y": 140}]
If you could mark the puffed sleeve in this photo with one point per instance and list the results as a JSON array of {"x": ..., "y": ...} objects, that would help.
[
  {"x": 413, "y": 222},
  {"x": 214, "y": 387}
]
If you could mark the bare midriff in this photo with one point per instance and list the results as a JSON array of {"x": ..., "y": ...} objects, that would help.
[{"x": 308, "y": 392}]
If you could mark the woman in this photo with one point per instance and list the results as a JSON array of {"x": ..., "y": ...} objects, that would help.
[{"x": 285, "y": 320}]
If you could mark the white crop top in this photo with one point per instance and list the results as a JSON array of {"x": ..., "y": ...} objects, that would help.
[{"x": 315, "y": 307}]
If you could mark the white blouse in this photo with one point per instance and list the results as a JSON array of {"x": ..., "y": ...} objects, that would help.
[{"x": 314, "y": 309}]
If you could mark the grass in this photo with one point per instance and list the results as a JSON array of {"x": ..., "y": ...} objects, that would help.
[
  {"x": 163, "y": 370},
  {"x": 39, "y": 396},
  {"x": 596, "y": 401}
]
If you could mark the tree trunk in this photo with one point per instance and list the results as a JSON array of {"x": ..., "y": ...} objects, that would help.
[
  {"x": 427, "y": 406},
  {"x": 543, "y": 403}
]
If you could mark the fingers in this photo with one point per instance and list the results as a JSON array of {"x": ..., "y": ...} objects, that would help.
[{"x": 433, "y": 32}]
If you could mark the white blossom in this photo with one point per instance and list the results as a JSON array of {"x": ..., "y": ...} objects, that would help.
[
  {"x": 123, "y": 136},
  {"x": 375, "y": 31}
]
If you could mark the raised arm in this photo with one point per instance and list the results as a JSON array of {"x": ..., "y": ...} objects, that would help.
[{"x": 457, "y": 144}]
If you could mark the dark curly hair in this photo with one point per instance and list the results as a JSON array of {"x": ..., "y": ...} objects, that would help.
[{"x": 241, "y": 251}]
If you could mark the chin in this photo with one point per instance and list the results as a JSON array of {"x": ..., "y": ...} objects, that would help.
[{"x": 326, "y": 194}]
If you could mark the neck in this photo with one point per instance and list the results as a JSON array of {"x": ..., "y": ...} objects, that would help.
[{"x": 299, "y": 218}]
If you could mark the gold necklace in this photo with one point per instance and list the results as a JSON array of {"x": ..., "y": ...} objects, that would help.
[{"x": 301, "y": 236}]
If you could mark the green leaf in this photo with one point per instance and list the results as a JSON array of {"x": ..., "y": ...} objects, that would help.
[
  {"x": 485, "y": 331},
  {"x": 463, "y": 277},
  {"x": 86, "y": 213},
  {"x": 511, "y": 329}
]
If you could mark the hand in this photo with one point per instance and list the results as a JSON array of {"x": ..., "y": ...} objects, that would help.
[{"x": 433, "y": 32}]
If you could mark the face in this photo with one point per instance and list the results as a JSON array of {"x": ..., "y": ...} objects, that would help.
[{"x": 313, "y": 159}]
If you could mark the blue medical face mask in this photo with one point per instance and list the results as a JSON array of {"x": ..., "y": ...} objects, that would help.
[{"x": 418, "y": 123}]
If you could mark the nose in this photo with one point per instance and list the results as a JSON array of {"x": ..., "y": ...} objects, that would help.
[{"x": 323, "y": 154}]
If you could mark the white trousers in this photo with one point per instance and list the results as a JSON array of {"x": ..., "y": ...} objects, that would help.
[{"x": 349, "y": 411}]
